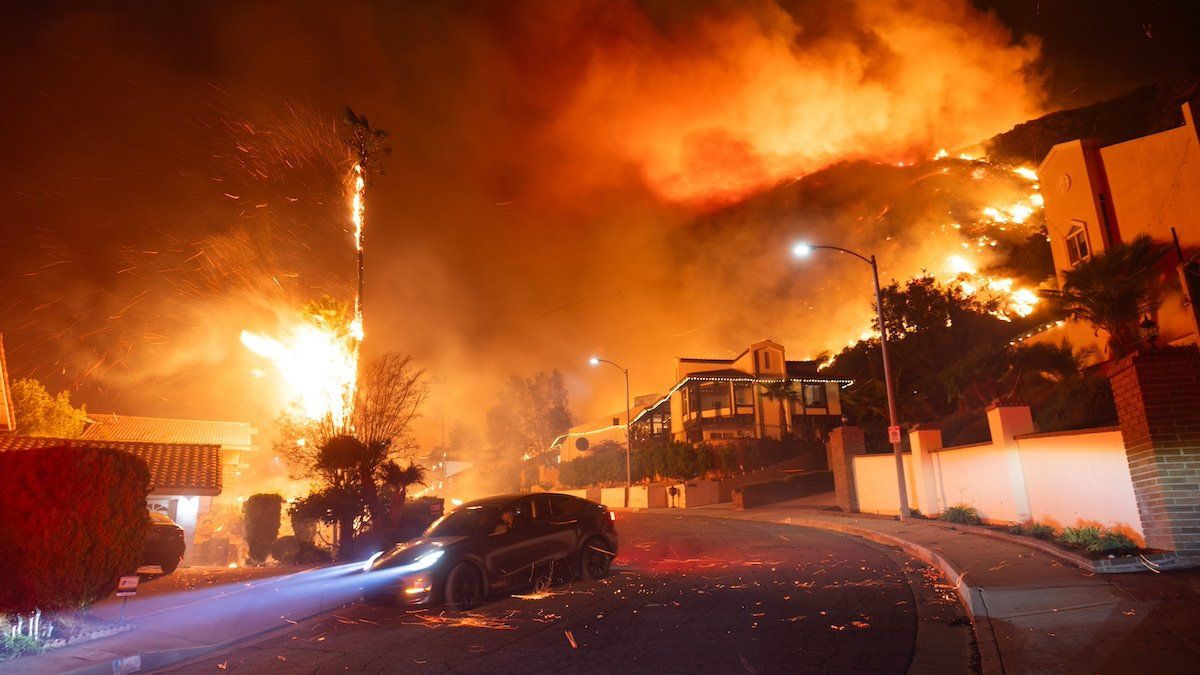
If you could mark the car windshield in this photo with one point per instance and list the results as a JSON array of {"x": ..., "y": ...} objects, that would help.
[{"x": 464, "y": 521}]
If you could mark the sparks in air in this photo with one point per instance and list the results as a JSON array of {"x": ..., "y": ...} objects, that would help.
[
  {"x": 318, "y": 358},
  {"x": 319, "y": 365}
]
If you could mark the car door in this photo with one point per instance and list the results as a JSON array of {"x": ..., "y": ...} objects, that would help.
[
  {"x": 514, "y": 552},
  {"x": 565, "y": 512}
]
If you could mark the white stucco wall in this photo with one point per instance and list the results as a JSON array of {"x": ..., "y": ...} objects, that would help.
[
  {"x": 875, "y": 481},
  {"x": 1069, "y": 479},
  {"x": 1080, "y": 478},
  {"x": 975, "y": 475}
]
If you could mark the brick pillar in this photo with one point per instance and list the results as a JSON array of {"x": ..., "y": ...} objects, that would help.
[
  {"x": 844, "y": 444},
  {"x": 1158, "y": 403}
]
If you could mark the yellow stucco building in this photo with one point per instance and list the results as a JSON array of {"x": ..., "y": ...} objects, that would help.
[{"x": 1099, "y": 195}]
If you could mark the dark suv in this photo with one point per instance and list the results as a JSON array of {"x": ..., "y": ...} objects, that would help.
[
  {"x": 164, "y": 543},
  {"x": 492, "y": 544}
]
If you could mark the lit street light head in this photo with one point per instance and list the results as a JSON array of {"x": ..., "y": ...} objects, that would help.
[
  {"x": 595, "y": 361},
  {"x": 801, "y": 250}
]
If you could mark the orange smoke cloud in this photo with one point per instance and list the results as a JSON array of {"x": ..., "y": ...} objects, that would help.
[{"x": 737, "y": 101}]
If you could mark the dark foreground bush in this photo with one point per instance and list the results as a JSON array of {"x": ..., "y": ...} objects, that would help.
[
  {"x": 72, "y": 521},
  {"x": 290, "y": 550},
  {"x": 262, "y": 514}
]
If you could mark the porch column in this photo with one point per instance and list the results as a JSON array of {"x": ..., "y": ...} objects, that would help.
[
  {"x": 845, "y": 443},
  {"x": 1157, "y": 393}
]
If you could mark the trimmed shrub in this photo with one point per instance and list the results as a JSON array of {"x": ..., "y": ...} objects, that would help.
[
  {"x": 285, "y": 548},
  {"x": 261, "y": 513},
  {"x": 961, "y": 514},
  {"x": 1034, "y": 529},
  {"x": 73, "y": 521},
  {"x": 305, "y": 529},
  {"x": 1097, "y": 540}
]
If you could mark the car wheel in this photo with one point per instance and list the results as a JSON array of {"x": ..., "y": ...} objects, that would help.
[
  {"x": 595, "y": 560},
  {"x": 169, "y": 566},
  {"x": 464, "y": 587}
]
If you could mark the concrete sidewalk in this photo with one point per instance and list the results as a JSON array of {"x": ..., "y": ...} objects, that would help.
[
  {"x": 1033, "y": 612},
  {"x": 173, "y": 625}
]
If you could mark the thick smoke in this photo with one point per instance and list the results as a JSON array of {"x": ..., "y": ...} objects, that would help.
[
  {"x": 175, "y": 178},
  {"x": 729, "y": 101}
]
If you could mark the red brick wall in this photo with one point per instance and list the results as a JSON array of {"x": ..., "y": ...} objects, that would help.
[
  {"x": 1158, "y": 403},
  {"x": 844, "y": 444}
]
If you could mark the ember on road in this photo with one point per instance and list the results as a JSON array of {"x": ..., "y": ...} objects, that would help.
[{"x": 725, "y": 596}]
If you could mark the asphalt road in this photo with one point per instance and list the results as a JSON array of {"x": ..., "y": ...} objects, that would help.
[{"x": 686, "y": 595}]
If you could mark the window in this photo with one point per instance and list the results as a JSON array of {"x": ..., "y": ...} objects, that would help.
[
  {"x": 1077, "y": 243},
  {"x": 765, "y": 358},
  {"x": 814, "y": 395},
  {"x": 565, "y": 507}
]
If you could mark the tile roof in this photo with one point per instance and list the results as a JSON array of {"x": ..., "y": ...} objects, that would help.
[
  {"x": 189, "y": 469},
  {"x": 163, "y": 430}
]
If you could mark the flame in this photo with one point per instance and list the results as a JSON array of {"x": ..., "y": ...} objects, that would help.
[
  {"x": 318, "y": 363},
  {"x": 358, "y": 206}
]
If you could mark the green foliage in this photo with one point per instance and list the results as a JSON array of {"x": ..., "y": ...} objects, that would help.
[
  {"x": 961, "y": 514},
  {"x": 74, "y": 520},
  {"x": 1112, "y": 290},
  {"x": 261, "y": 513},
  {"x": 40, "y": 414},
  {"x": 12, "y": 646},
  {"x": 531, "y": 413},
  {"x": 285, "y": 548},
  {"x": 290, "y": 550},
  {"x": 305, "y": 529},
  {"x": 1097, "y": 540},
  {"x": 1031, "y": 528},
  {"x": 606, "y": 462}
]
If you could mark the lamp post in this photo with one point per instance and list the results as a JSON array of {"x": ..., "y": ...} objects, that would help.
[
  {"x": 803, "y": 250},
  {"x": 595, "y": 361}
]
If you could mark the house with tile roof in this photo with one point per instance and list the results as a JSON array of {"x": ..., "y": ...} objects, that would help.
[
  {"x": 718, "y": 400},
  {"x": 235, "y": 439},
  {"x": 184, "y": 477},
  {"x": 715, "y": 400}
]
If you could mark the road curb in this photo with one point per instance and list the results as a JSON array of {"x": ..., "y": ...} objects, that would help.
[
  {"x": 149, "y": 661},
  {"x": 971, "y": 597}
]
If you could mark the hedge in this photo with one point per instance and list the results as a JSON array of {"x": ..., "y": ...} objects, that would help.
[
  {"x": 606, "y": 464},
  {"x": 74, "y": 520},
  {"x": 262, "y": 515},
  {"x": 753, "y": 495}
]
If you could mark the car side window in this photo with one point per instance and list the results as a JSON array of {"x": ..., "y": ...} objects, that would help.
[
  {"x": 541, "y": 508},
  {"x": 563, "y": 507},
  {"x": 523, "y": 512}
]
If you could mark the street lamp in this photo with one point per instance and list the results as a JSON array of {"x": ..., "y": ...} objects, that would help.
[
  {"x": 802, "y": 250},
  {"x": 595, "y": 361}
]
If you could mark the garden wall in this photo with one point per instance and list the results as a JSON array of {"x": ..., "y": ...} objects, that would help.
[{"x": 1063, "y": 479}]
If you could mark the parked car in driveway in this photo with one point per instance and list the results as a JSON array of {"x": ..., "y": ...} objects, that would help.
[
  {"x": 492, "y": 544},
  {"x": 164, "y": 543}
]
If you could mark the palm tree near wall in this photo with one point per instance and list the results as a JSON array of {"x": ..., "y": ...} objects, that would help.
[
  {"x": 782, "y": 392},
  {"x": 1113, "y": 290},
  {"x": 399, "y": 479}
]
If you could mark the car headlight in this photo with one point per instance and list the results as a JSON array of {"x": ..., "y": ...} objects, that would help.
[
  {"x": 371, "y": 561},
  {"x": 423, "y": 562}
]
